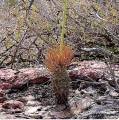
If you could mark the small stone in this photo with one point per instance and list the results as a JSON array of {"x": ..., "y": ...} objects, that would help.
[
  {"x": 2, "y": 99},
  {"x": 77, "y": 92},
  {"x": 30, "y": 97},
  {"x": 38, "y": 117},
  {"x": 33, "y": 103},
  {"x": 79, "y": 105},
  {"x": 48, "y": 117},
  {"x": 24, "y": 100},
  {"x": 46, "y": 108},
  {"x": 31, "y": 110},
  {"x": 113, "y": 93},
  {"x": 13, "y": 106}
]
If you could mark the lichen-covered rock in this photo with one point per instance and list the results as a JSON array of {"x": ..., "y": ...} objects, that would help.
[
  {"x": 15, "y": 79},
  {"x": 35, "y": 75},
  {"x": 91, "y": 70}
]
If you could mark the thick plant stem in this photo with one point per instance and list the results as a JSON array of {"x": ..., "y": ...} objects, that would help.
[
  {"x": 60, "y": 86},
  {"x": 63, "y": 26}
]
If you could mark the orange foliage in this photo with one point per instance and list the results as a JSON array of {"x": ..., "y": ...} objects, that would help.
[{"x": 56, "y": 61}]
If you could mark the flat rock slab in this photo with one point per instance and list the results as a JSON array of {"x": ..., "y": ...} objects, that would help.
[
  {"x": 15, "y": 79},
  {"x": 91, "y": 70}
]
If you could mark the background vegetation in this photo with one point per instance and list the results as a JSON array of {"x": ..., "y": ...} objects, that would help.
[{"x": 29, "y": 27}]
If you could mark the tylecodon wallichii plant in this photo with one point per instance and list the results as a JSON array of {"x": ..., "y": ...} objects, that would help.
[{"x": 57, "y": 59}]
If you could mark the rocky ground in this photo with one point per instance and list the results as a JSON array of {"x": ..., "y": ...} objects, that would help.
[{"x": 25, "y": 94}]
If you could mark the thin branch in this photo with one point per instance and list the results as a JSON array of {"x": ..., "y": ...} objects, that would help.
[
  {"x": 31, "y": 3},
  {"x": 107, "y": 52}
]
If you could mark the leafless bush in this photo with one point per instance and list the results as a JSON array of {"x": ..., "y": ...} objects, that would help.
[{"x": 29, "y": 27}]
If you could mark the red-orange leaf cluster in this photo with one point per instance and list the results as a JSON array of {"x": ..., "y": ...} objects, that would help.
[{"x": 56, "y": 61}]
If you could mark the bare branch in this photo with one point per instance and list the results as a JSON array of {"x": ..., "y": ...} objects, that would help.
[{"x": 105, "y": 51}]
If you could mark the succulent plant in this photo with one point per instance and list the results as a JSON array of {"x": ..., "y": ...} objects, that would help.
[
  {"x": 56, "y": 63},
  {"x": 57, "y": 59}
]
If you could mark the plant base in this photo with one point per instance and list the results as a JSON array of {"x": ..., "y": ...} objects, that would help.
[{"x": 60, "y": 86}]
